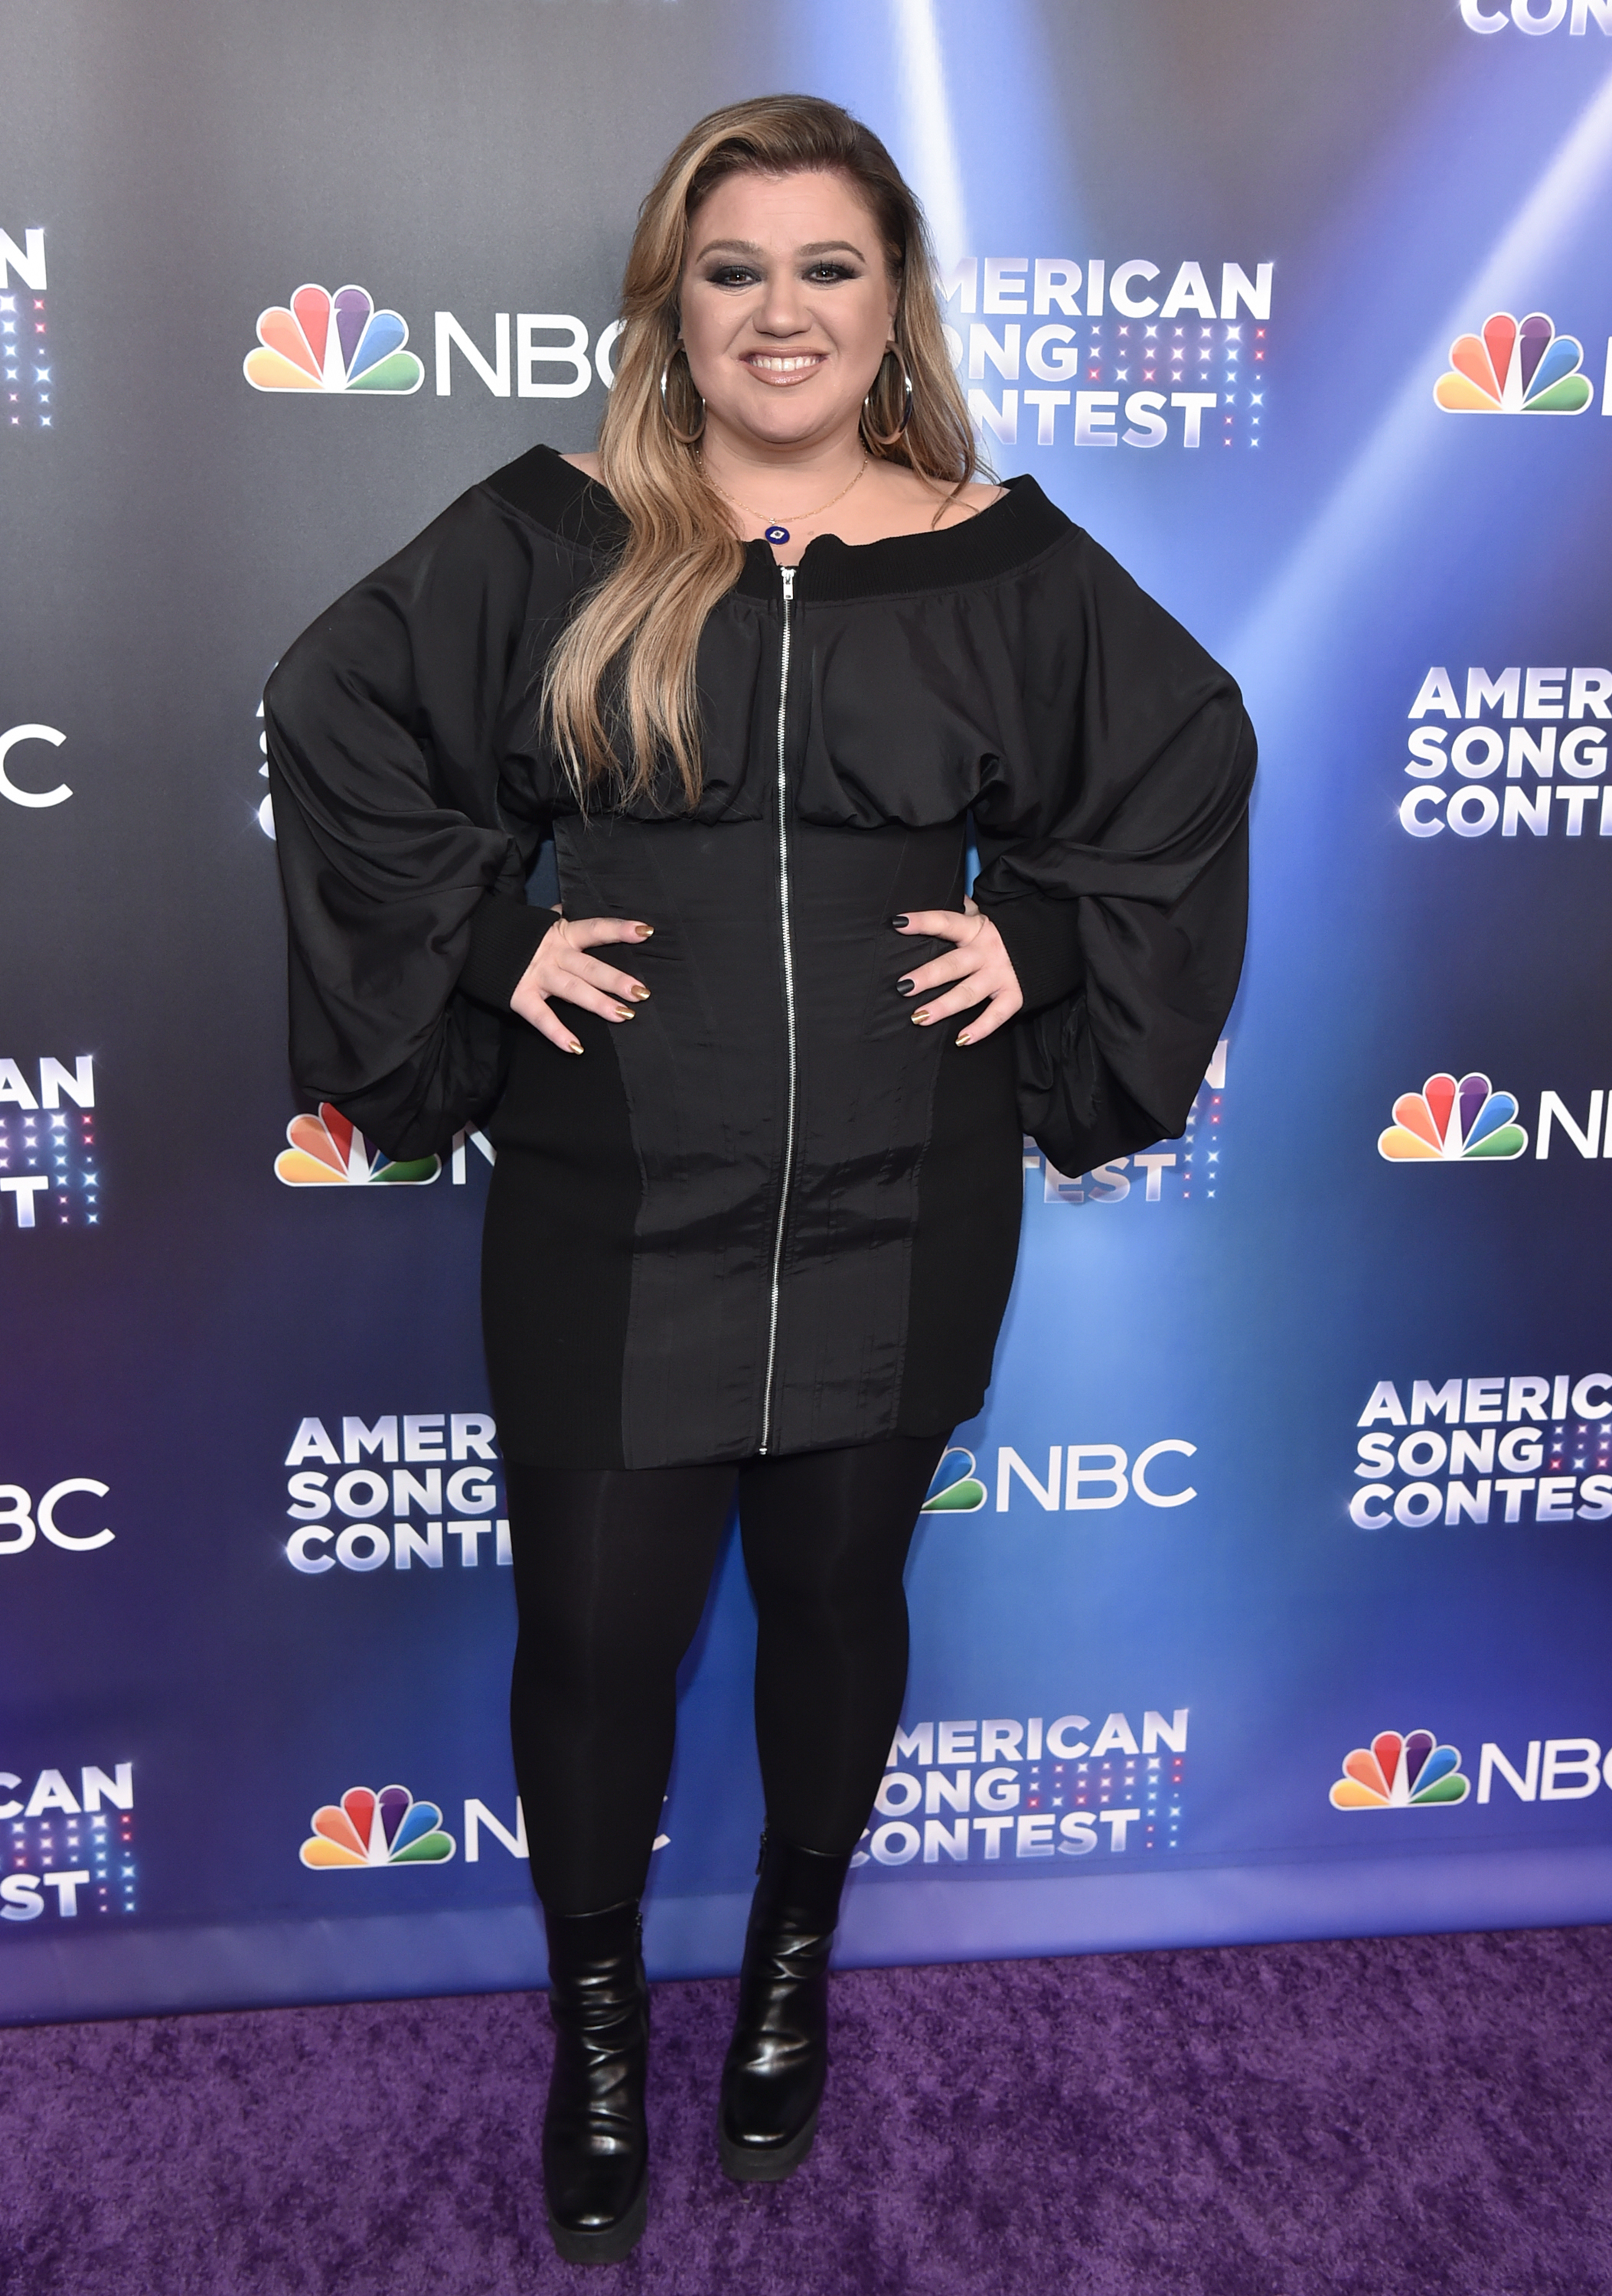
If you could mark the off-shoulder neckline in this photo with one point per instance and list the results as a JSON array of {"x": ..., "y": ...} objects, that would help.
[
  {"x": 912, "y": 534},
  {"x": 1019, "y": 525}
]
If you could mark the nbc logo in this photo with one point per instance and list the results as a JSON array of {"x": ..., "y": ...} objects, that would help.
[
  {"x": 954, "y": 1489},
  {"x": 13, "y": 739},
  {"x": 1515, "y": 370},
  {"x": 1450, "y": 1123},
  {"x": 327, "y": 1152},
  {"x": 389, "y": 1828},
  {"x": 329, "y": 343},
  {"x": 1396, "y": 1771}
]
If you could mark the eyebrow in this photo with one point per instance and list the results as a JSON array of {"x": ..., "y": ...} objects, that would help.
[{"x": 749, "y": 247}]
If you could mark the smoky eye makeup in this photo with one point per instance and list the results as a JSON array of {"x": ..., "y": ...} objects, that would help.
[
  {"x": 739, "y": 276},
  {"x": 817, "y": 271}
]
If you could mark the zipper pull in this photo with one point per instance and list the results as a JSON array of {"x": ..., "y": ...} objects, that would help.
[{"x": 788, "y": 573}]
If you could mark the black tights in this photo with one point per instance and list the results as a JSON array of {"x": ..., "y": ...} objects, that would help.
[{"x": 611, "y": 1569}]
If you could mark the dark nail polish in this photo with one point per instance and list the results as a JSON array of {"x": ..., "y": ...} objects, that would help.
[
  {"x": 898, "y": 923},
  {"x": 905, "y": 988}
]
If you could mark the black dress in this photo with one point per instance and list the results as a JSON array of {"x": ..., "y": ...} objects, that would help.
[{"x": 767, "y": 1213}]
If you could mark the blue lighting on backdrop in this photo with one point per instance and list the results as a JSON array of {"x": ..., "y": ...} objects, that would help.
[{"x": 1293, "y": 1476}]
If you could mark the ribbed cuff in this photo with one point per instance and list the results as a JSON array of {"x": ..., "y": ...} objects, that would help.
[
  {"x": 1042, "y": 939},
  {"x": 504, "y": 938}
]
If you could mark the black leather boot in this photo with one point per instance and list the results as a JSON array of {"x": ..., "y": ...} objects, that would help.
[
  {"x": 596, "y": 2147},
  {"x": 772, "y": 2083}
]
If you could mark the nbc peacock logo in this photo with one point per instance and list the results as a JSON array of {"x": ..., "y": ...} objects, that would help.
[
  {"x": 1400, "y": 1771},
  {"x": 1512, "y": 369},
  {"x": 1452, "y": 1122},
  {"x": 340, "y": 343},
  {"x": 327, "y": 1152},
  {"x": 954, "y": 1488},
  {"x": 365, "y": 1828}
]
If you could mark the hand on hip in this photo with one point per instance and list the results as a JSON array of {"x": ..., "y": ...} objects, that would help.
[
  {"x": 563, "y": 969},
  {"x": 976, "y": 971}
]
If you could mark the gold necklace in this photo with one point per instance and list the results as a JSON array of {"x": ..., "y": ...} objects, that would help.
[{"x": 774, "y": 529}]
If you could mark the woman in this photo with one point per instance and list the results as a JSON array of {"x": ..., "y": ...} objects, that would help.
[{"x": 756, "y": 666}]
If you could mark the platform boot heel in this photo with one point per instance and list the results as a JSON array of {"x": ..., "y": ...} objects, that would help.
[
  {"x": 596, "y": 2146},
  {"x": 772, "y": 2082}
]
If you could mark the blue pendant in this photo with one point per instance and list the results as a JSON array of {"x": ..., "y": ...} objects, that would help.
[{"x": 776, "y": 533}]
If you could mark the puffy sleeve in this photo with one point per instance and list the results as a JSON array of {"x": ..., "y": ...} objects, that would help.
[
  {"x": 1114, "y": 853},
  {"x": 404, "y": 881}
]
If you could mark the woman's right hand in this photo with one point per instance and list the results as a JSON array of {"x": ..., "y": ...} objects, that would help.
[{"x": 562, "y": 968}]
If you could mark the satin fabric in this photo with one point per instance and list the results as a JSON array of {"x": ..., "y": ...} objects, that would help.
[{"x": 1004, "y": 674}]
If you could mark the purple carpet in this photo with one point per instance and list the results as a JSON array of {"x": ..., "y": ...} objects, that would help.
[{"x": 1416, "y": 2114}]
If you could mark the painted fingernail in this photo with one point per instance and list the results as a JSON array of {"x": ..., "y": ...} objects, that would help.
[
  {"x": 965, "y": 1038},
  {"x": 573, "y": 1046},
  {"x": 640, "y": 993},
  {"x": 905, "y": 988},
  {"x": 919, "y": 1019},
  {"x": 898, "y": 922},
  {"x": 623, "y": 1012},
  {"x": 643, "y": 933}
]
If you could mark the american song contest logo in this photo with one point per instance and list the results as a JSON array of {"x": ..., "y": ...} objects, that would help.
[
  {"x": 340, "y": 343},
  {"x": 1536, "y": 1446},
  {"x": 1400, "y": 1771},
  {"x": 1533, "y": 720},
  {"x": 1538, "y": 18},
  {"x": 50, "y": 1166},
  {"x": 25, "y": 359},
  {"x": 1512, "y": 369},
  {"x": 365, "y": 1828},
  {"x": 1450, "y": 1122},
  {"x": 327, "y": 1152},
  {"x": 76, "y": 1843},
  {"x": 986, "y": 1791}
]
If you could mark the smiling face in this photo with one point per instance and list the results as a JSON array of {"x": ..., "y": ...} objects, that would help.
[{"x": 787, "y": 306}]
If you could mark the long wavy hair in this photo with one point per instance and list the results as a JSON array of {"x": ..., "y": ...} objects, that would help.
[{"x": 618, "y": 693}]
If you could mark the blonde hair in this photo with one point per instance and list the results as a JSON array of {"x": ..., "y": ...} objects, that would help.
[{"x": 623, "y": 674}]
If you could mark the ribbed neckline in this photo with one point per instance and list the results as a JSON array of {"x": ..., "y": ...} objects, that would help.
[{"x": 1014, "y": 530}]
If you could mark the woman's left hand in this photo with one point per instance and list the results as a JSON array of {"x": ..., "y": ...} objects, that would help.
[{"x": 978, "y": 970}]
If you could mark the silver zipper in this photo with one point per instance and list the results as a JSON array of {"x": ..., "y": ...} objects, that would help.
[{"x": 786, "y": 922}]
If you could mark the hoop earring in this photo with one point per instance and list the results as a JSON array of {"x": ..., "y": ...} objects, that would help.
[
  {"x": 878, "y": 438},
  {"x": 682, "y": 438}
]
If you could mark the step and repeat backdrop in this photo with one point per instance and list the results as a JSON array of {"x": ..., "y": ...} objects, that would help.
[{"x": 1270, "y": 1595}]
